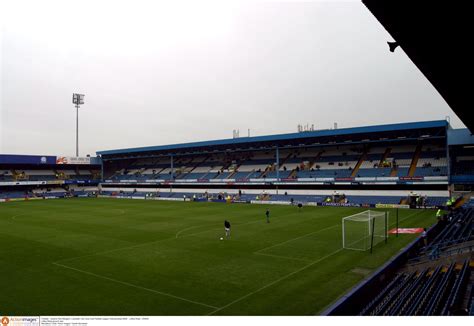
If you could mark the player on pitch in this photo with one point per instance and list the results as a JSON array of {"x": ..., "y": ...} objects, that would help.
[{"x": 227, "y": 229}]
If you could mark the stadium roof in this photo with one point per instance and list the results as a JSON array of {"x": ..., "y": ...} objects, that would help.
[
  {"x": 414, "y": 126},
  {"x": 436, "y": 36},
  {"x": 460, "y": 137}
]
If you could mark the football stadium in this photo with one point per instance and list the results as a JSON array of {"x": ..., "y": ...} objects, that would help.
[
  {"x": 370, "y": 220},
  {"x": 346, "y": 211}
]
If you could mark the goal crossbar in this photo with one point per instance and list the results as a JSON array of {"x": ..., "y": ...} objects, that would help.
[{"x": 363, "y": 230}]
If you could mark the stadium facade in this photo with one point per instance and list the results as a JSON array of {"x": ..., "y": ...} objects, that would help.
[
  {"x": 26, "y": 177},
  {"x": 394, "y": 164},
  {"x": 407, "y": 164}
]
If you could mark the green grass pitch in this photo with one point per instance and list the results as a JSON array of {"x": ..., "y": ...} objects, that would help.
[{"x": 92, "y": 256}]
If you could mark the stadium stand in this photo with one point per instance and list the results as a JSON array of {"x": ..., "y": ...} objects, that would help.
[
  {"x": 432, "y": 291},
  {"x": 436, "y": 280},
  {"x": 336, "y": 162},
  {"x": 457, "y": 228},
  {"x": 30, "y": 176},
  {"x": 414, "y": 165},
  {"x": 376, "y": 160}
]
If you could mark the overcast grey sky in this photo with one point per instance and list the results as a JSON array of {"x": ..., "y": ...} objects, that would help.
[{"x": 178, "y": 71}]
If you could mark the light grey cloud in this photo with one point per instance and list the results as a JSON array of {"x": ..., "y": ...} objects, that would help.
[{"x": 178, "y": 71}]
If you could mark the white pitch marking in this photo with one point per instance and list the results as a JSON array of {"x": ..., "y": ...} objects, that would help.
[
  {"x": 186, "y": 235},
  {"x": 208, "y": 230},
  {"x": 141, "y": 244},
  {"x": 18, "y": 215},
  {"x": 282, "y": 257},
  {"x": 135, "y": 286},
  {"x": 286, "y": 276},
  {"x": 275, "y": 282},
  {"x": 300, "y": 237},
  {"x": 190, "y": 228}
]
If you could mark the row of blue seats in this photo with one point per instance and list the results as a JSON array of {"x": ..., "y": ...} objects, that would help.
[
  {"x": 437, "y": 291},
  {"x": 361, "y": 200},
  {"x": 22, "y": 194},
  {"x": 436, "y": 201},
  {"x": 372, "y": 173},
  {"x": 374, "y": 199},
  {"x": 333, "y": 158},
  {"x": 431, "y": 171},
  {"x": 458, "y": 228},
  {"x": 314, "y": 173},
  {"x": 326, "y": 173},
  {"x": 12, "y": 194},
  {"x": 325, "y": 159}
]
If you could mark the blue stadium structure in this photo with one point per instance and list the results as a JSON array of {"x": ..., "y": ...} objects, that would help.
[
  {"x": 24, "y": 177},
  {"x": 433, "y": 278},
  {"x": 387, "y": 164},
  {"x": 416, "y": 165},
  {"x": 408, "y": 165}
]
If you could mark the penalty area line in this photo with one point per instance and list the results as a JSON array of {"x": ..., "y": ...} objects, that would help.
[
  {"x": 294, "y": 239},
  {"x": 134, "y": 286},
  {"x": 275, "y": 282},
  {"x": 282, "y": 257}
]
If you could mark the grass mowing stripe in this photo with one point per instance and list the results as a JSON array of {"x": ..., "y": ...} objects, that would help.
[
  {"x": 186, "y": 229},
  {"x": 282, "y": 257},
  {"x": 134, "y": 285},
  {"x": 294, "y": 239},
  {"x": 288, "y": 275},
  {"x": 145, "y": 243},
  {"x": 195, "y": 266},
  {"x": 403, "y": 219},
  {"x": 13, "y": 218},
  {"x": 276, "y": 281}
]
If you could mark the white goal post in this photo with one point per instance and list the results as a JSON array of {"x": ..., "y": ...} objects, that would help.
[{"x": 364, "y": 230}]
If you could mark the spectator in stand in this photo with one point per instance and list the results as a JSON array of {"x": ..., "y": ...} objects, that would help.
[
  {"x": 424, "y": 236},
  {"x": 439, "y": 214},
  {"x": 418, "y": 202},
  {"x": 459, "y": 223},
  {"x": 434, "y": 253}
]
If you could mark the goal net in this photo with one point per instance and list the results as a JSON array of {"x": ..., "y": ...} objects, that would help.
[{"x": 364, "y": 230}]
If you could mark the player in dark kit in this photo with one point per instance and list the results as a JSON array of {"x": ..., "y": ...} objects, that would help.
[
  {"x": 267, "y": 214},
  {"x": 227, "y": 229}
]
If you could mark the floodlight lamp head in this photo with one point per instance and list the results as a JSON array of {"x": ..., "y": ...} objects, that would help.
[{"x": 78, "y": 99}]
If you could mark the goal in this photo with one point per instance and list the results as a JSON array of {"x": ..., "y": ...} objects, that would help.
[{"x": 364, "y": 230}]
